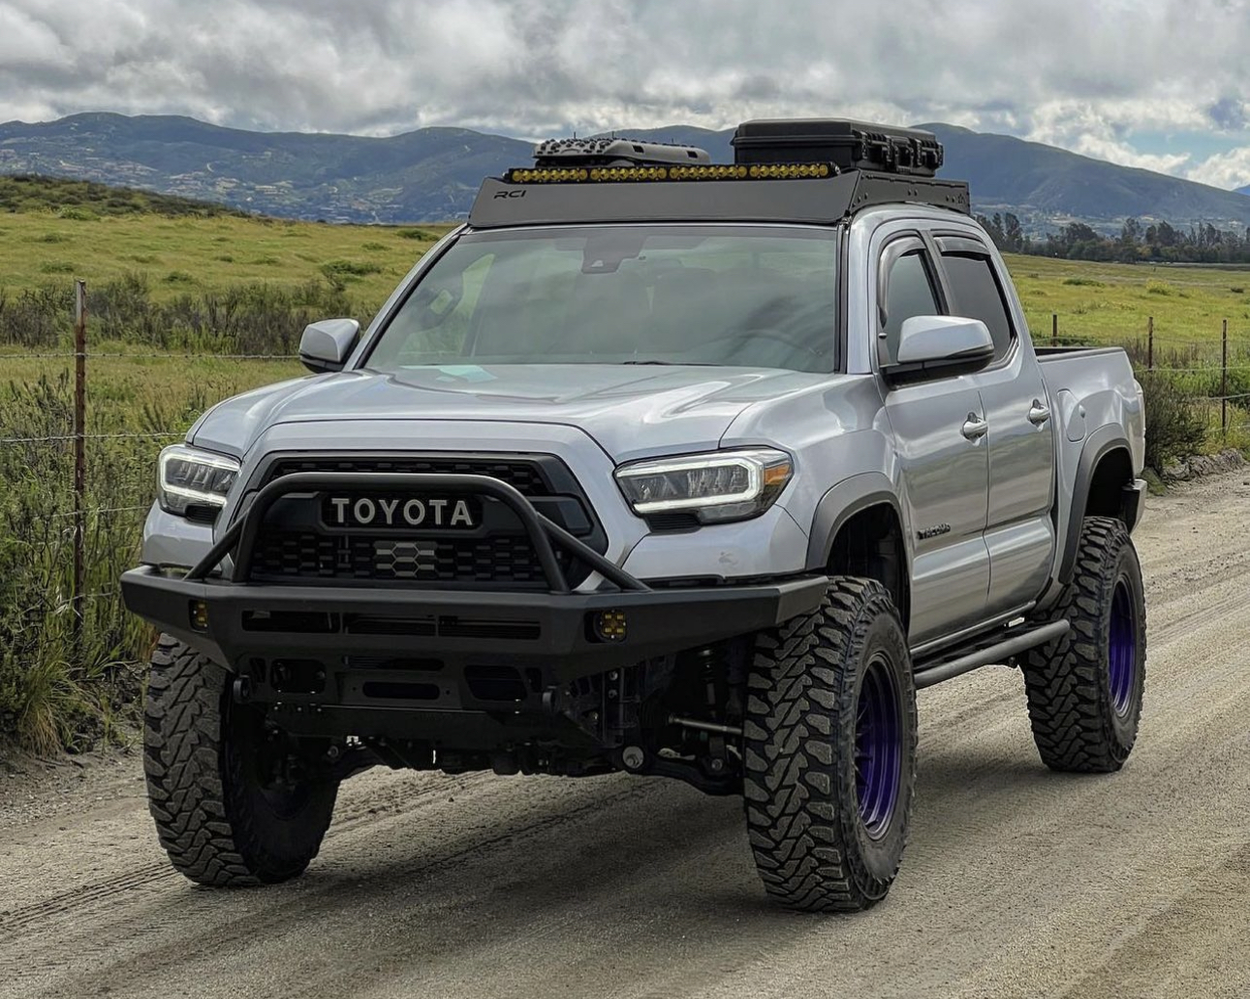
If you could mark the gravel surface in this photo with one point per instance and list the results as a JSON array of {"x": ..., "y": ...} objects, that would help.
[{"x": 1018, "y": 882}]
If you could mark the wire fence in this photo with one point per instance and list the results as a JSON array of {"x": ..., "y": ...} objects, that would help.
[
  {"x": 79, "y": 436},
  {"x": 1210, "y": 373},
  {"x": 110, "y": 474}
]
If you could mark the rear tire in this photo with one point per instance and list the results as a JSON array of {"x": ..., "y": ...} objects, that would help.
[
  {"x": 220, "y": 816},
  {"x": 830, "y": 751},
  {"x": 1085, "y": 689}
]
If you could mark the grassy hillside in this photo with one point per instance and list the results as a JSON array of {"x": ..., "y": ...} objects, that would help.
[
  {"x": 191, "y": 253},
  {"x": 85, "y": 200}
]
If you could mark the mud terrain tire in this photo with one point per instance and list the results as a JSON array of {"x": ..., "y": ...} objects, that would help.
[
  {"x": 1085, "y": 689},
  {"x": 830, "y": 751},
  {"x": 218, "y": 818}
]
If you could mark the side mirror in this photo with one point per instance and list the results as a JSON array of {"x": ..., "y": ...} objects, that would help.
[
  {"x": 937, "y": 340},
  {"x": 325, "y": 345}
]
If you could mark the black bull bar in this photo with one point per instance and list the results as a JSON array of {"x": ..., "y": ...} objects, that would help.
[{"x": 559, "y": 633}]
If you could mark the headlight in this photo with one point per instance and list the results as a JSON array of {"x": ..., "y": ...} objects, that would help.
[
  {"x": 188, "y": 477},
  {"x": 726, "y": 485}
]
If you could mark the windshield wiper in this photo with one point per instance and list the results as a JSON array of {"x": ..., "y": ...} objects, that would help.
[{"x": 677, "y": 364}]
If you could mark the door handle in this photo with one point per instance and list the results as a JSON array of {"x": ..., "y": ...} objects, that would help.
[
  {"x": 974, "y": 427},
  {"x": 1038, "y": 414}
]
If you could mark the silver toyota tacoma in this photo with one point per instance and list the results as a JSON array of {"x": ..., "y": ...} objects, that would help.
[{"x": 658, "y": 466}]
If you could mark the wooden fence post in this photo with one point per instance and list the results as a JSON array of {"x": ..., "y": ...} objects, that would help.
[
  {"x": 1224, "y": 382},
  {"x": 80, "y": 459},
  {"x": 1054, "y": 329},
  {"x": 1150, "y": 343}
]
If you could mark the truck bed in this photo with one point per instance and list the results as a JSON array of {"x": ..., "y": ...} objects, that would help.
[{"x": 1091, "y": 389}]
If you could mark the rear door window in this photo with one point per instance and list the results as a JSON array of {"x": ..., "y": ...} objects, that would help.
[{"x": 975, "y": 293}]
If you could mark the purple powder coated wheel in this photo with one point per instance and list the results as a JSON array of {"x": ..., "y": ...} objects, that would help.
[
  {"x": 1122, "y": 649},
  {"x": 878, "y": 748}
]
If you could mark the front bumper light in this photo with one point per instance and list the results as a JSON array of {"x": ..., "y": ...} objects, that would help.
[
  {"x": 188, "y": 477},
  {"x": 717, "y": 487}
]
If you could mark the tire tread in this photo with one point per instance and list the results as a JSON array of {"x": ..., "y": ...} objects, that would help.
[
  {"x": 801, "y": 829},
  {"x": 1068, "y": 706},
  {"x": 209, "y": 838}
]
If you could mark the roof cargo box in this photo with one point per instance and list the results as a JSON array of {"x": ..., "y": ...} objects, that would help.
[{"x": 851, "y": 145}]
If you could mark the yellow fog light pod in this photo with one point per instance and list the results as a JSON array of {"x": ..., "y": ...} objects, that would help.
[{"x": 609, "y": 625}]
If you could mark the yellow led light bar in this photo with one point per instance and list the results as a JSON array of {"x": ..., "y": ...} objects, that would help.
[
  {"x": 547, "y": 175},
  {"x": 575, "y": 175},
  {"x": 629, "y": 173},
  {"x": 790, "y": 171}
]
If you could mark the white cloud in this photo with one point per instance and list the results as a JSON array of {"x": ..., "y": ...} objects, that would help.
[
  {"x": 1126, "y": 155},
  {"x": 1230, "y": 169},
  {"x": 1098, "y": 129},
  {"x": 1084, "y": 74}
]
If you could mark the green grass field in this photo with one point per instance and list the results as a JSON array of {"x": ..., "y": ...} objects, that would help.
[
  {"x": 196, "y": 254},
  {"x": 1099, "y": 302},
  {"x": 199, "y": 274}
]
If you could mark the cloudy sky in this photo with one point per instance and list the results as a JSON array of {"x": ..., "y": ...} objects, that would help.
[{"x": 1163, "y": 84}]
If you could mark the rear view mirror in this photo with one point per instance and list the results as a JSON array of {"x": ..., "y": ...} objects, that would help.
[
  {"x": 944, "y": 339},
  {"x": 326, "y": 345}
]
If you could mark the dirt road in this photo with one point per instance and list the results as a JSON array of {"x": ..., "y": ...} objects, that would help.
[{"x": 1017, "y": 881}]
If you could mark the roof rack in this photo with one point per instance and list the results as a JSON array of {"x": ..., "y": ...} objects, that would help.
[
  {"x": 509, "y": 202},
  {"x": 831, "y": 168}
]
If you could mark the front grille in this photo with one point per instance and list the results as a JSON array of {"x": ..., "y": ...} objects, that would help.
[
  {"x": 309, "y": 555},
  {"x": 294, "y": 545},
  {"x": 523, "y": 475}
]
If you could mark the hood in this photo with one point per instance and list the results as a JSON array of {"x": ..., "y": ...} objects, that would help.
[{"x": 631, "y": 411}]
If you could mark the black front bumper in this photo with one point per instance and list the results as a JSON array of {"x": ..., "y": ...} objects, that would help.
[
  {"x": 551, "y": 631},
  {"x": 319, "y": 648}
]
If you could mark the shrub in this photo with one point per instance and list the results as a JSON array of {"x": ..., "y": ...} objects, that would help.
[
  {"x": 239, "y": 319},
  {"x": 51, "y": 686},
  {"x": 1159, "y": 288},
  {"x": 1086, "y": 282},
  {"x": 1174, "y": 429},
  {"x": 422, "y": 234},
  {"x": 345, "y": 270}
]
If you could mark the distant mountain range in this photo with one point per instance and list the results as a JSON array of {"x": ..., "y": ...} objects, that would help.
[{"x": 433, "y": 173}]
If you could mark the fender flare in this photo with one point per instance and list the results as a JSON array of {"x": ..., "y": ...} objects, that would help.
[
  {"x": 849, "y": 497},
  {"x": 1098, "y": 445}
]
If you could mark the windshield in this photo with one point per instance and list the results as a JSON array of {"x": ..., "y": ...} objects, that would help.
[{"x": 755, "y": 296}]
